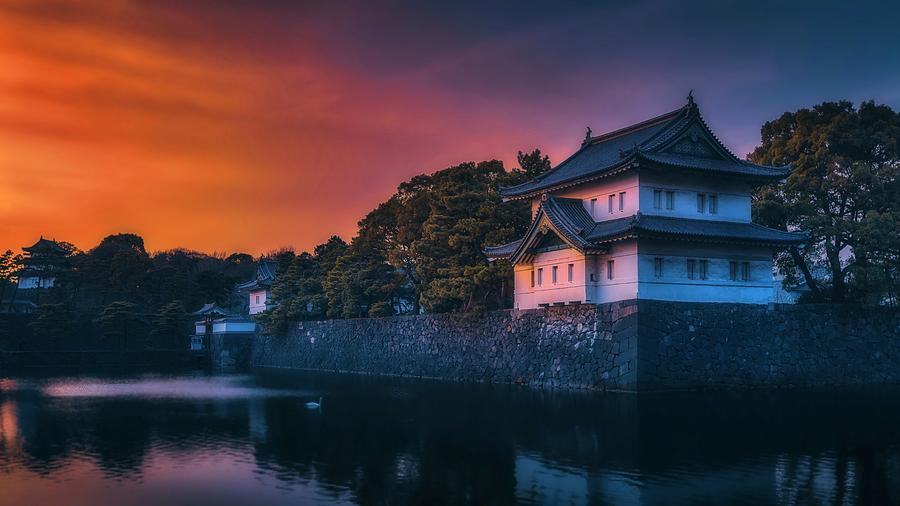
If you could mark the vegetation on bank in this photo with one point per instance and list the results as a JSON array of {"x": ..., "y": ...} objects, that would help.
[
  {"x": 123, "y": 296},
  {"x": 421, "y": 249}
]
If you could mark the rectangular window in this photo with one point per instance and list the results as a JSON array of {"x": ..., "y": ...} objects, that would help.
[
  {"x": 745, "y": 271},
  {"x": 713, "y": 204},
  {"x": 621, "y": 201},
  {"x": 670, "y": 200},
  {"x": 571, "y": 272},
  {"x": 257, "y": 299},
  {"x": 553, "y": 274},
  {"x": 658, "y": 267},
  {"x": 540, "y": 277},
  {"x": 610, "y": 269},
  {"x": 532, "y": 278},
  {"x": 733, "y": 271},
  {"x": 691, "y": 266},
  {"x": 657, "y": 199},
  {"x": 704, "y": 269},
  {"x": 593, "y": 278},
  {"x": 612, "y": 202},
  {"x": 701, "y": 203},
  {"x": 593, "y": 207}
]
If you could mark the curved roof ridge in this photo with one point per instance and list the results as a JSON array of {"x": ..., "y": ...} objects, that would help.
[{"x": 637, "y": 126}]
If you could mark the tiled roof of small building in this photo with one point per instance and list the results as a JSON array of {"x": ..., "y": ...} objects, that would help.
[
  {"x": 44, "y": 245},
  {"x": 211, "y": 308},
  {"x": 653, "y": 141}
]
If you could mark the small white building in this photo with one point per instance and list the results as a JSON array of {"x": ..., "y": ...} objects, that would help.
[
  {"x": 657, "y": 210},
  {"x": 214, "y": 320},
  {"x": 43, "y": 261},
  {"x": 258, "y": 288}
]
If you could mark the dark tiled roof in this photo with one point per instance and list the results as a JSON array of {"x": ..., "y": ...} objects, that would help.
[
  {"x": 708, "y": 164},
  {"x": 44, "y": 245},
  {"x": 211, "y": 309},
  {"x": 722, "y": 230},
  {"x": 502, "y": 251},
  {"x": 265, "y": 275},
  {"x": 609, "y": 153}
]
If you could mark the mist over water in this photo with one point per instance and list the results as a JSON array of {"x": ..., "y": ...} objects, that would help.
[{"x": 249, "y": 439}]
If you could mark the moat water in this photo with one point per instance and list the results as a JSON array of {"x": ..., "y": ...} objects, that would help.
[{"x": 249, "y": 439}]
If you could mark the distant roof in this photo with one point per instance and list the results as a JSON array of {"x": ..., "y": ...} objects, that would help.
[
  {"x": 211, "y": 308},
  {"x": 44, "y": 246},
  {"x": 569, "y": 219},
  {"x": 679, "y": 140},
  {"x": 266, "y": 270}
]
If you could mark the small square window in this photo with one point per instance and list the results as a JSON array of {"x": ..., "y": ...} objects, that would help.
[
  {"x": 610, "y": 269},
  {"x": 670, "y": 200},
  {"x": 658, "y": 267},
  {"x": 571, "y": 272}
]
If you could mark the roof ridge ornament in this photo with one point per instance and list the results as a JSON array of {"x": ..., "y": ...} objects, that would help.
[
  {"x": 587, "y": 137},
  {"x": 691, "y": 104}
]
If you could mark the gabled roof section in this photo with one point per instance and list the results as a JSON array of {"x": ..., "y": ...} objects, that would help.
[
  {"x": 679, "y": 139},
  {"x": 211, "y": 309},
  {"x": 44, "y": 246},
  {"x": 567, "y": 218},
  {"x": 266, "y": 270}
]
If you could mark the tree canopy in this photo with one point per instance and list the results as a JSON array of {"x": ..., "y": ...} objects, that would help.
[{"x": 844, "y": 191}]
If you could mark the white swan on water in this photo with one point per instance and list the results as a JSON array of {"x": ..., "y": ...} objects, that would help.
[{"x": 314, "y": 405}]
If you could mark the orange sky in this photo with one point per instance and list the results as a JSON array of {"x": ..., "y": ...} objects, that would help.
[{"x": 246, "y": 126}]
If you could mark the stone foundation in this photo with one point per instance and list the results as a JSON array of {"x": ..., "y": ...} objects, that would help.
[{"x": 631, "y": 345}]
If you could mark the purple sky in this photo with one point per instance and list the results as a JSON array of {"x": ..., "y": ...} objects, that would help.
[{"x": 248, "y": 125}]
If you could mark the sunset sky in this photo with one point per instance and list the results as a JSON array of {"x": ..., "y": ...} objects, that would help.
[{"x": 249, "y": 125}]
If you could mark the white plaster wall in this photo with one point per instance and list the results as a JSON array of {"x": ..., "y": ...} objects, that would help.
[
  {"x": 35, "y": 282},
  {"x": 624, "y": 284},
  {"x": 221, "y": 327},
  {"x": 675, "y": 285},
  {"x": 564, "y": 291},
  {"x": 258, "y": 306},
  {"x": 734, "y": 197}
]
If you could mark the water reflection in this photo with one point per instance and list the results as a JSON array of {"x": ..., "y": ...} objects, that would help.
[{"x": 250, "y": 440}]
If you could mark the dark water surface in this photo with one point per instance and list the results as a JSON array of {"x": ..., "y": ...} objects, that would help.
[{"x": 196, "y": 439}]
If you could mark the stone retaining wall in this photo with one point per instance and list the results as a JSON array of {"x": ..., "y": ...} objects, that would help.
[
  {"x": 685, "y": 345},
  {"x": 574, "y": 346},
  {"x": 631, "y": 345}
]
